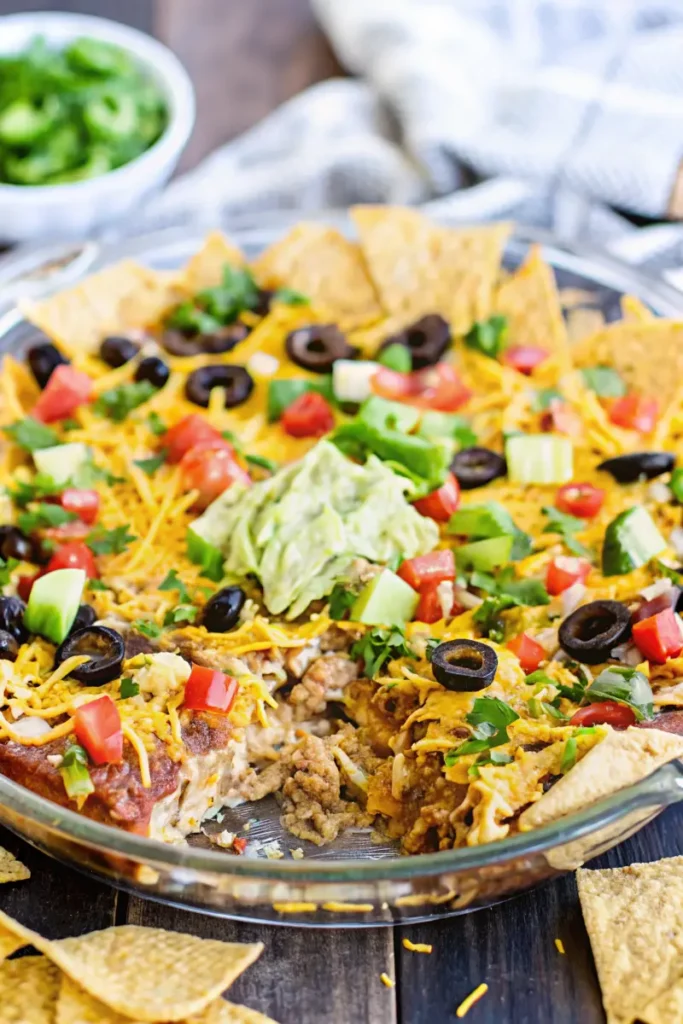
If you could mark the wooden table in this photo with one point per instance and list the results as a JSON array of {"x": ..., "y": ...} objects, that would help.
[{"x": 333, "y": 977}]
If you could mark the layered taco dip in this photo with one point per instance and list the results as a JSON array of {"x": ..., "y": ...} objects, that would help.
[{"x": 375, "y": 526}]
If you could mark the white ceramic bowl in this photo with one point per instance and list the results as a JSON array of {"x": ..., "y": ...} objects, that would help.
[{"x": 75, "y": 210}]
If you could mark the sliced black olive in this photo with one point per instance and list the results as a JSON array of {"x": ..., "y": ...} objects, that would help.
[
  {"x": 590, "y": 633},
  {"x": 85, "y": 617},
  {"x": 464, "y": 664},
  {"x": 222, "y": 611},
  {"x": 9, "y": 648},
  {"x": 43, "y": 359},
  {"x": 316, "y": 348},
  {"x": 235, "y": 381},
  {"x": 427, "y": 340},
  {"x": 115, "y": 351},
  {"x": 225, "y": 339},
  {"x": 265, "y": 297},
  {"x": 475, "y": 467},
  {"x": 180, "y": 344},
  {"x": 154, "y": 370},
  {"x": 12, "y": 618},
  {"x": 104, "y": 648},
  {"x": 626, "y": 469},
  {"x": 15, "y": 544}
]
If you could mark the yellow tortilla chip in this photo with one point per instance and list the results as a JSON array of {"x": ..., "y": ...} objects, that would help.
[
  {"x": 121, "y": 298},
  {"x": 325, "y": 267},
  {"x": 530, "y": 301},
  {"x": 205, "y": 269},
  {"x": 149, "y": 974},
  {"x": 633, "y": 309},
  {"x": 13, "y": 936},
  {"x": 28, "y": 990},
  {"x": 634, "y": 919},
  {"x": 11, "y": 869},
  {"x": 419, "y": 267},
  {"x": 647, "y": 353},
  {"x": 621, "y": 759}
]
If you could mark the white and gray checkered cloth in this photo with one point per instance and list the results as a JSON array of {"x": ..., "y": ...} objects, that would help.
[{"x": 560, "y": 110}]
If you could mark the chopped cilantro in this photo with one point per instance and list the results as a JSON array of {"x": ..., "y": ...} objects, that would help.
[
  {"x": 7, "y": 567},
  {"x": 567, "y": 526},
  {"x": 109, "y": 542},
  {"x": 97, "y": 585},
  {"x": 182, "y": 613},
  {"x": 148, "y": 628},
  {"x": 262, "y": 462},
  {"x": 215, "y": 307},
  {"x": 42, "y": 516},
  {"x": 31, "y": 435},
  {"x": 88, "y": 474},
  {"x": 118, "y": 402},
  {"x": 156, "y": 424},
  {"x": 488, "y": 336},
  {"x": 430, "y": 647},
  {"x": 70, "y": 424},
  {"x": 151, "y": 465},
  {"x": 291, "y": 297},
  {"x": 490, "y": 718},
  {"x": 341, "y": 600},
  {"x": 41, "y": 486},
  {"x": 505, "y": 591},
  {"x": 129, "y": 688},
  {"x": 604, "y": 381},
  {"x": 665, "y": 570},
  {"x": 173, "y": 582},
  {"x": 379, "y": 646},
  {"x": 543, "y": 397}
]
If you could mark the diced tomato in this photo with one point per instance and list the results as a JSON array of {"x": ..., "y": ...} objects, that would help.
[
  {"x": 84, "y": 504},
  {"x": 97, "y": 726},
  {"x": 74, "y": 555},
  {"x": 635, "y": 412},
  {"x": 75, "y": 530},
  {"x": 659, "y": 637},
  {"x": 210, "y": 468},
  {"x": 436, "y": 387},
  {"x": 561, "y": 418},
  {"x": 582, "y": 500},
  {"x": 66, "y": 389},
  {"x": 442, "y": 503},
  {"x": 239, "y": 844},
  {"x": 25, "y": 584},
  {"x": 429, "y": 608},
  {"x": 605, "y": 712},
  {"x": 435, "y": 567},
  {"x": 525, "y": 358},
  {"x": 309, "y": 415},
  {"x": 564, "y": 571},
  {"x": 528, "y": 650},
  {"x": 207, "y": 689},
  {"x": 191, "y": 431}
]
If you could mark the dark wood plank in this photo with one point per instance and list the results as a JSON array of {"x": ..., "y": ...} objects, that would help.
[
  {"x": 511, "y": 948},
  {"x": 55, "y": 901},
  {"x": 138, "y": 13},
  {"x": 303, "y": 976},
  {"x": 245, "y": 57}
]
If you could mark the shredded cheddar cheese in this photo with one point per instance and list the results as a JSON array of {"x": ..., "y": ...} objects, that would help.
[
  {"x": 474, "y": 997},
  {"x": 417, "y": 947}
]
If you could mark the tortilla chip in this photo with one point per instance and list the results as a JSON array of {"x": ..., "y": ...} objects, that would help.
[
  {"x": 121, "y": 298},
  {"x": 582, "y": 322},
  {"x": 647, "y": 353},
  {"x": 149, "y": 974},
  {"x": 633, "y": 309},
  {"x": 13, "y": 936},
  {"x": 530, "y": 301},
  {"x": 222, "y": 1012},
  {"x": 11, "y": 869},
  {"x": 327, "y": 268},
  {"x": 621, "y": 759},
  {"x": 667, "y": 1008},
  {"x": 634, "y": 918},
  {"x": 28, "y": 990},
  {"x": 205, "y": 269},
  {"x": 419, "y": 267}
]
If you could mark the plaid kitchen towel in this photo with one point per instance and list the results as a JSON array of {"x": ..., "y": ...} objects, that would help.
[{"x": 559, "y": 111}]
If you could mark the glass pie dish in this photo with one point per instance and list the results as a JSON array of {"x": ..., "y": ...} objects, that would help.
[{"x": 354, "y": 881}]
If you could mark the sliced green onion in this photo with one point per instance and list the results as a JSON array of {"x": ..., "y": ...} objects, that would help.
[
  {"x": 74, "y": 772},
  {"x": 568, "y": 756},
  {"x": 539, "y": 459},
  {"x": 631, "y": 540}
]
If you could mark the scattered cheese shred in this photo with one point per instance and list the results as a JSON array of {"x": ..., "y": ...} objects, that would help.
[
  {"x": 295, "y": 908},
  {"x": 386, "y": 980},
  {"x": 417, "y": 947},
  {"x": 139, "y": 748},
  {"x": 559, "y": 946},
  {"x": 474, "y": 997},
  {"x": 348, "y": 908}
]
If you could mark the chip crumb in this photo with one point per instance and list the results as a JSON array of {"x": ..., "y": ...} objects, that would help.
[
  {"x": 295, "y": 908},
  {"x": 417, "y": 947},
  {"x": 348, "y": 908},
  {"x": 386, "y": 980},
  {"x": 11, "y": 869},
  {"x": 297, "y": 854},
  {"x": 559, "y": 946},
  {"x": 474, "y": 997}
]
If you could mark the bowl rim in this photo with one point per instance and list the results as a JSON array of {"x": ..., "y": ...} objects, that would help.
[
  {"x": 658, "y": 790},
  {"x": 151, "y": 54}
]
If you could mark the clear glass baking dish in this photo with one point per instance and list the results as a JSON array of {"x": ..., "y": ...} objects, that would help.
[{"x": 354, "y": 882}]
